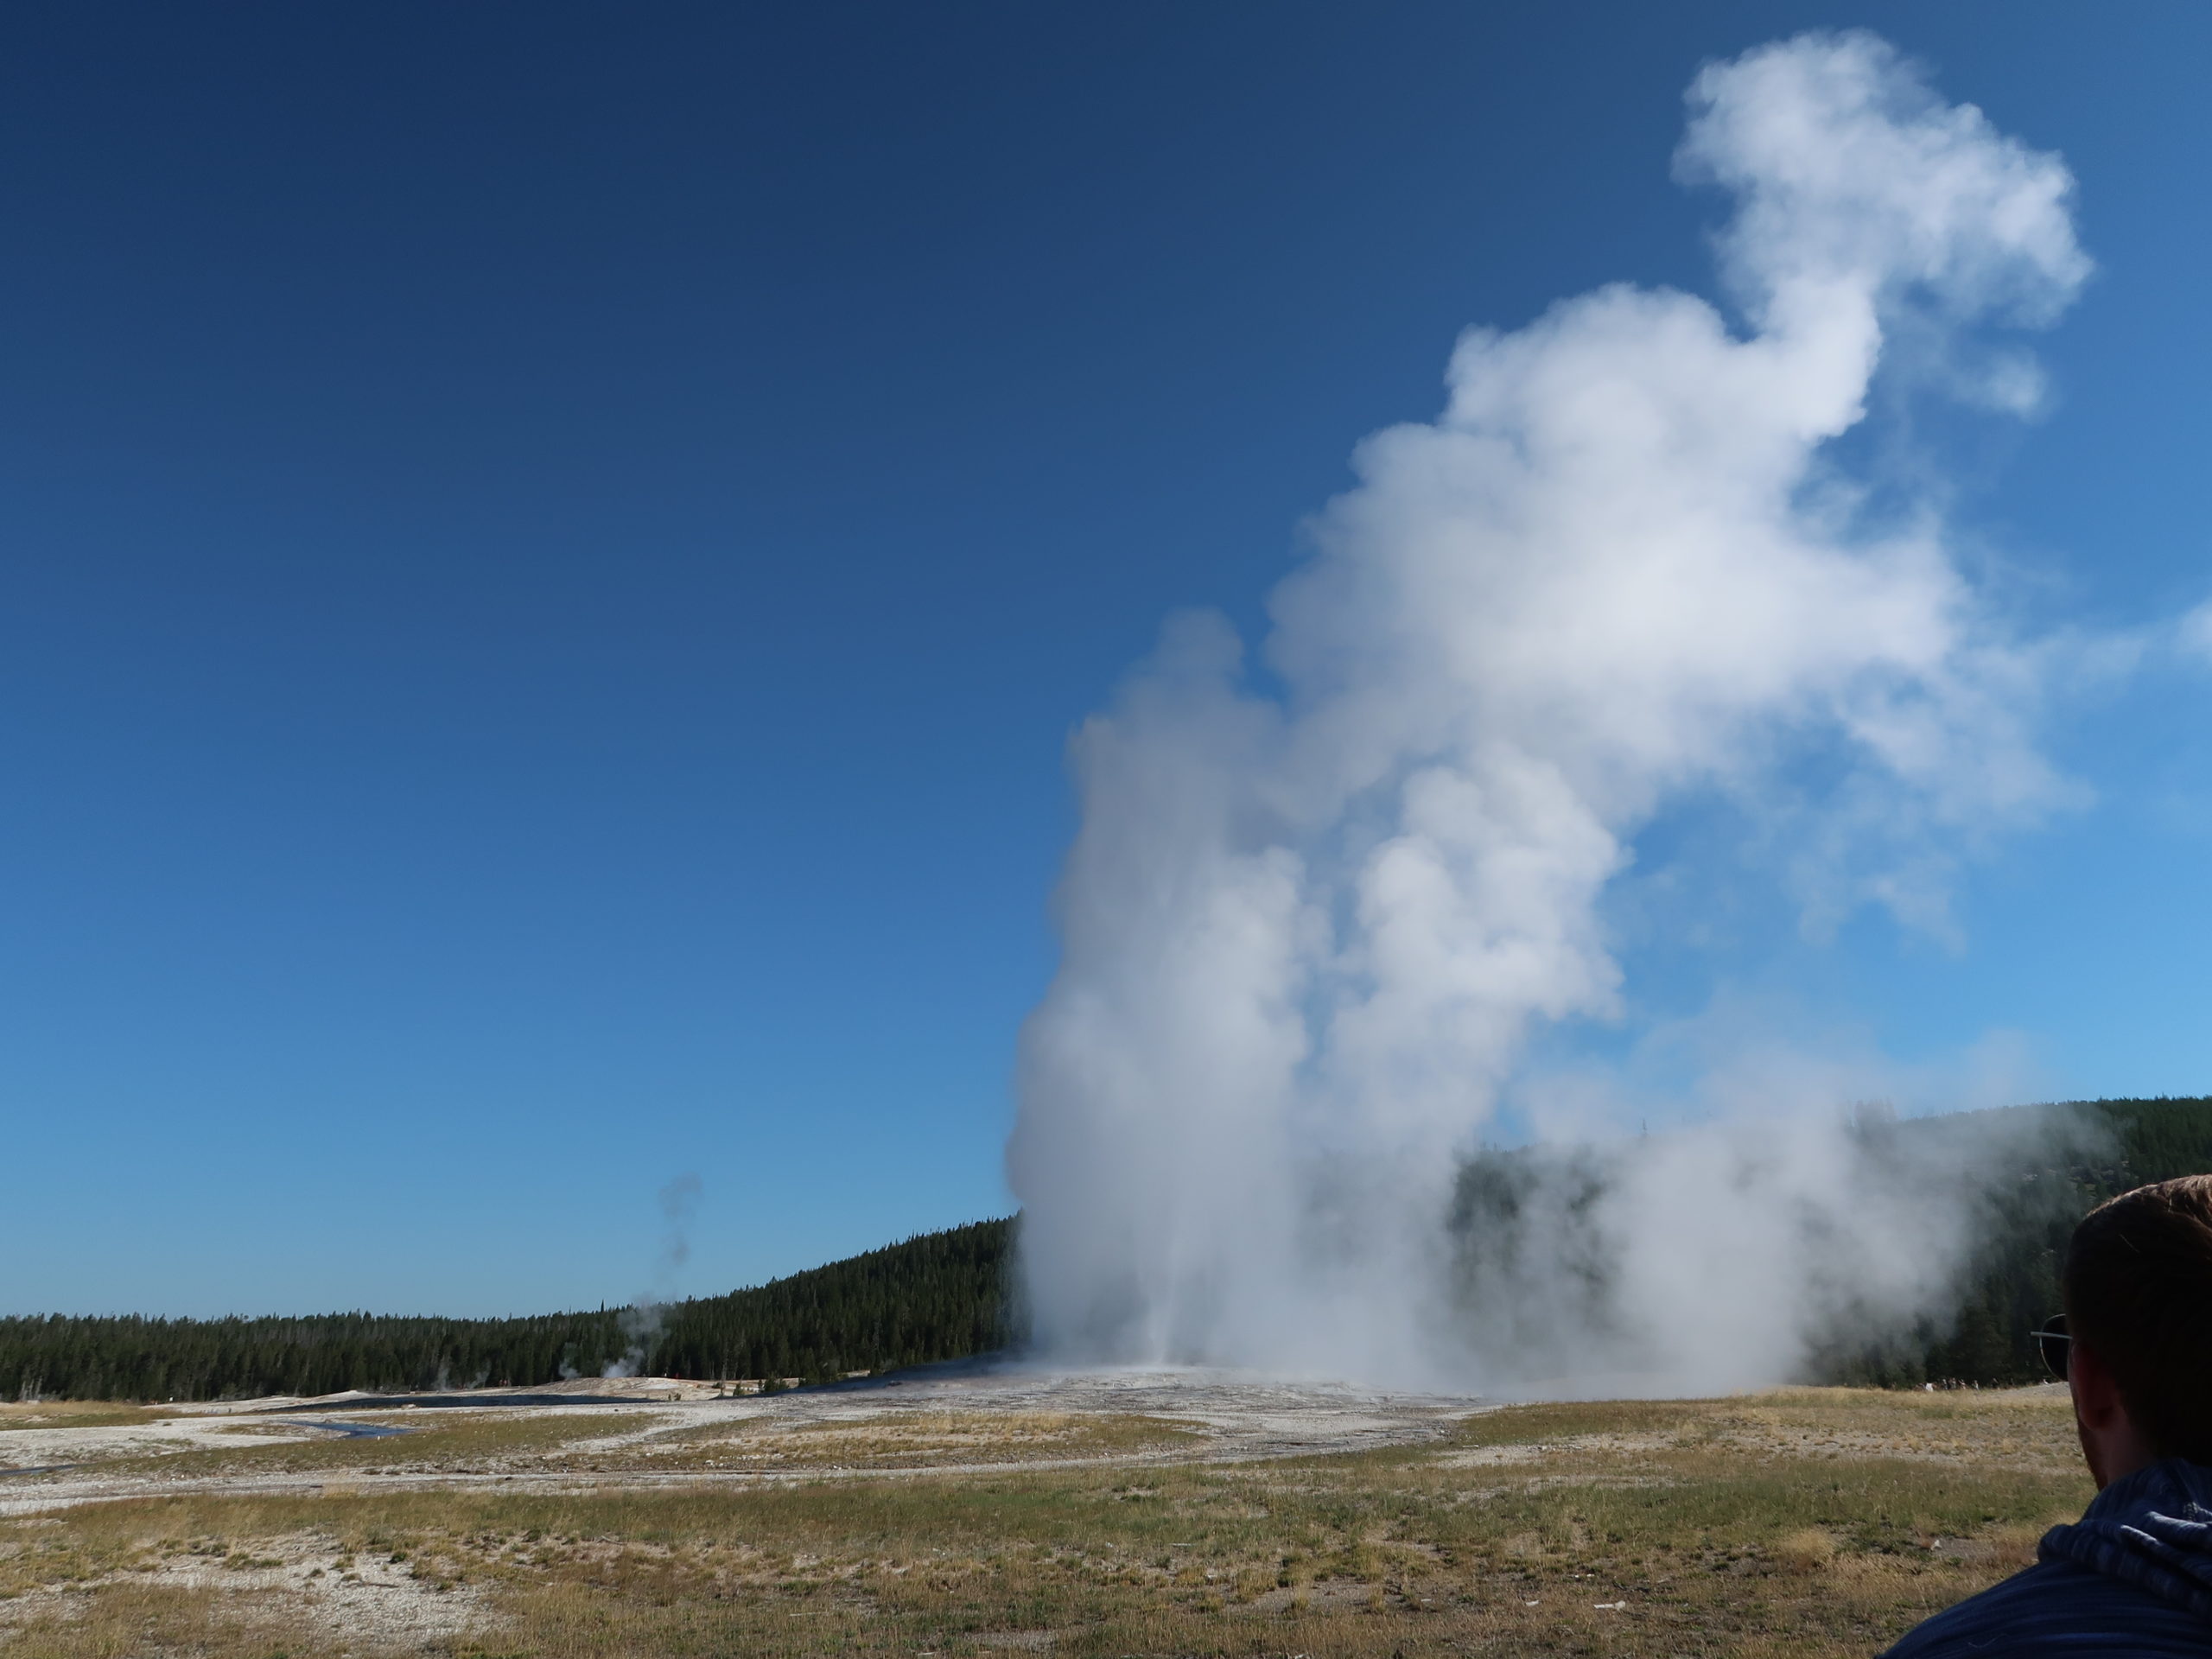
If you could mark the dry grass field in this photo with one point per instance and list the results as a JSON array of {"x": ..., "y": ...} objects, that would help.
[{"x": 973, "y": 1523}]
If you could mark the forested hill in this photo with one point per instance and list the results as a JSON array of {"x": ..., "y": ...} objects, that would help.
[
  {"x": 939, "y": 1296},
  {"x": 2013, "y": 1284},
  {"x": 946, "y": 1295},
  {"x": 1521, "y": 1214}
]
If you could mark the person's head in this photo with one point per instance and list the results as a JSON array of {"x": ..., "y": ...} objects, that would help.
[{"x": 2137, "y": 1288}]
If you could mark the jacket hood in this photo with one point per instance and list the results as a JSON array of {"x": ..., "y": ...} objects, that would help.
[{"x": 2151, "y": 1530}]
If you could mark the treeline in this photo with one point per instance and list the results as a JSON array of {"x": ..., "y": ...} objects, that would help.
[
  {"x": 947, "y": 1295},
  {"x": 2010, "y": 1285},
  {"x": 1538, "y": 1266},
  {"x": 939, "y": 1296}
]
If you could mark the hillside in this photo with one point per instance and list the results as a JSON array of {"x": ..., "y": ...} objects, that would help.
[
  {"x": 945, "y": 1295},
  {"x": 2012, "y": 1284},
  {"x": 1520, "y": 1213},
  {"x": 939, "y": 1296}
]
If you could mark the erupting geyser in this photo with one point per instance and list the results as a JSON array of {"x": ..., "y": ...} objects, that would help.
[{"x": 1307, "y": 936}]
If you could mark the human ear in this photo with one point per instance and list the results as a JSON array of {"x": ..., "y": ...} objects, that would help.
[
  {"x": 2096, "y": 1397},
  {"x": 2110, "y": 1443}
]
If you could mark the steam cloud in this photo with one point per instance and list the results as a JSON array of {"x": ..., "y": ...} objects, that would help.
[
  {"x": 1308, "y": 931},
  {"x": 642, "y": 1321}
]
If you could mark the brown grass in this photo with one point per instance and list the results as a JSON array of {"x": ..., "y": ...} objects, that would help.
[
  {"x": 76, "y": 1413},
  {"x": 1802, "y": 1524}
]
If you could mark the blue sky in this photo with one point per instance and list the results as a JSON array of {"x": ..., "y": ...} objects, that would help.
[{"x": 548, "y": 556}]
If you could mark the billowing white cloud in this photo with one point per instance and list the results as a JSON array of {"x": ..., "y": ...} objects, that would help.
[{"x": 1305, "y": 937}]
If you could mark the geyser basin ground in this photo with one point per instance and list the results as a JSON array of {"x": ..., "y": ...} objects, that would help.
[
  {"x": 1104, "y": 1513},
  {"x": 941, "y": 1419}
]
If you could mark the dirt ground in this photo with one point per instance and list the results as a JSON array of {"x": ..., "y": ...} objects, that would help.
[{"x": 971, "y": 1511}]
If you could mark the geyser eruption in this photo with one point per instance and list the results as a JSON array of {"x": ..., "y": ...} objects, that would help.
[{"x": 1308, "y": 930}]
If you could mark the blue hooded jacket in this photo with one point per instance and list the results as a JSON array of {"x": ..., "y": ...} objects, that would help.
[{"x": 2131, "y": 1580}]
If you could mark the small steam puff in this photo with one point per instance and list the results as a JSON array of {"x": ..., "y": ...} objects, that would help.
[
  {"x": 1306, "y": 937},
  {"x": 642, "y": 1321}
]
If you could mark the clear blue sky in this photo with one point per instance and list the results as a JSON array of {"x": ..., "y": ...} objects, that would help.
[{"x": 547, "y": 554}]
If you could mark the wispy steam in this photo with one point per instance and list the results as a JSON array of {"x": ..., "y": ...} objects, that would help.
[
  {"x": 642, "y": 1320},
  {"x": 1306, "y": 934}
]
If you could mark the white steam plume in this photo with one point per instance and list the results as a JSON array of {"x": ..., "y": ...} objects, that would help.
[{"x": 1307, "y": 935}]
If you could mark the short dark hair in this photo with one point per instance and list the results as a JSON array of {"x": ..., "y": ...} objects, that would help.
[{"x": 2138, "y": 1286}]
